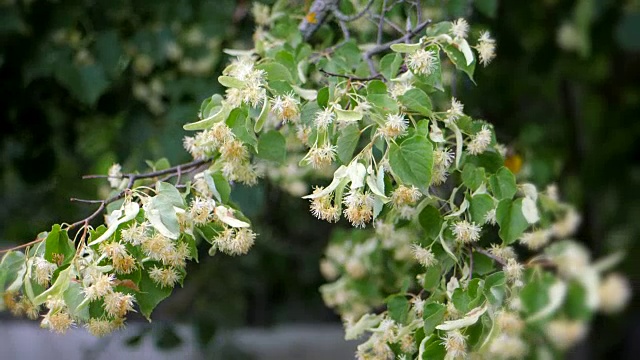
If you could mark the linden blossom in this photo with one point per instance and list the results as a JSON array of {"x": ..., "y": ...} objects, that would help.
[{"x": 436, "y": 275}]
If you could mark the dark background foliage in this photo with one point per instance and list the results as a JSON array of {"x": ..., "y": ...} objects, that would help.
[{"x": 85, "y": 84}]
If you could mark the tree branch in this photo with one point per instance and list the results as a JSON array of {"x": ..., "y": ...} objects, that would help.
[
  {"x": 386, "y": 46},
  {"x": 381, "y": 23},
  {"x": 486, "y": 253},
  {"x": 21, "y": 246},
  {"x": 177, "y": 170},
  {"x": 350, "y": 77}
]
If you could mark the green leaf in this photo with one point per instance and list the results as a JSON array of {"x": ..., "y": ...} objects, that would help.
[
  {"x": 418, "y": 101},
  {"x": 503, "y": 184},
  {"x": 209, "y": 104},
  {"x": 431, "y": 348},
  {"x": 58, "y": 243},
  {"x": 406, "y": 48},
  {"x": 161, "y": 164},
  {"x": 162, "y": 216},
  {"x": 576, "y": 306},
  {"x": 512, "y": 222},
  {"x": 433, "y": 315},
  {"x": 431, "y": 221},
  {"x": 384, "y": 103},
  {"x": 488, "y": 8},
  {"x": 467, "y": 299},
  {"x": 193, "y": 247},
  {"x": 150, "y": 294},
  {"x": 479, "y": 207},
  {"x": 276, "y": 72},
  {"x": 347, "y": 142},
  {"x": 222, "y": 186},
  {"x": 376, "y": 87},
  {"x": 59, "y": 286},
  {"x": 272, "y": 146},
  {"x": 96, "y": 309},
  {"x": 280, "y": 87},
  {"x": 412, "y": 160},
  {"x": 12, "y": 269},
  {"x": 241, "y": 126},
  {"x": 218, "y": 114},
  {"x": 482, "y": 264},
  {"x": 398, "y": 307},
  {"x": 323, "y": 97},
  {"x": 74, "y": 298},
  {"x": 349, "y": 53},
  {"x": 171, "y": 194},
  {"x": 432, "y": 277},
  {"x": 231, "y": 82},
  {"x": 422, "y": 127},
  {"x": 287, "y": 59},
  {"x": 348, "y": 115},
  {"x": 494, "y": 288},
  {"x": 443, "y": 27},
  {"x": 489, "y": 160},
  {"x": 473, "y": 177},
  {"x": 535, "y": 294},
  {"x": 458, "y": 59},
  {"x": 308, "y": 113},
  {"x": 389, "y": 65},
  {"x": 264, "y": 114}
]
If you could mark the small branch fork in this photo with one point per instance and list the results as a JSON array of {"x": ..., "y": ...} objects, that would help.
[
  {"x": 321, "y": 8},
  {"x": 368, "y": 55},
  {"x": 178, "y": 171}
]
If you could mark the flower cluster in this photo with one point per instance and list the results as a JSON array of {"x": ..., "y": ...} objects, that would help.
[{"x": 449, "y": 256}]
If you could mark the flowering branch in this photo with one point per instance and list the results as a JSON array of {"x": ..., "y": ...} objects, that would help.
[
  {"x": 404, "y": 157},
  {"x": 18, "y": 247},
  {"x": 177, "y": 170}
]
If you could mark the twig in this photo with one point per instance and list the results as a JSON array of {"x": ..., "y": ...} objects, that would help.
[
  {"x": 175, "y": 170},
  {"x": 347, "y": 18},
  {"x": 386, "y": 46},
  {"x": 98, "y": 176},
  {"x": 381, "y": 23},
  {"x": 21, "y": 246},
  {"x": 326, "y": 52},
  {"x": 170, "y": 170},
  {"x": 132, "y": 179},
  {"x": 350, "y": 77},
  {"x": 103, "y": 204},
  {"x": 486, "y": 253},
  {"x": 86, "y": 201},
  {"x": 397, "y": 28},
  {"x": 345, "y": 30}
]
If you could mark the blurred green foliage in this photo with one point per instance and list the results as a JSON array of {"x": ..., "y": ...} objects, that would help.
[
  {"x": 86, "y": 84},
  {"x": 564, "y": 92}
]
